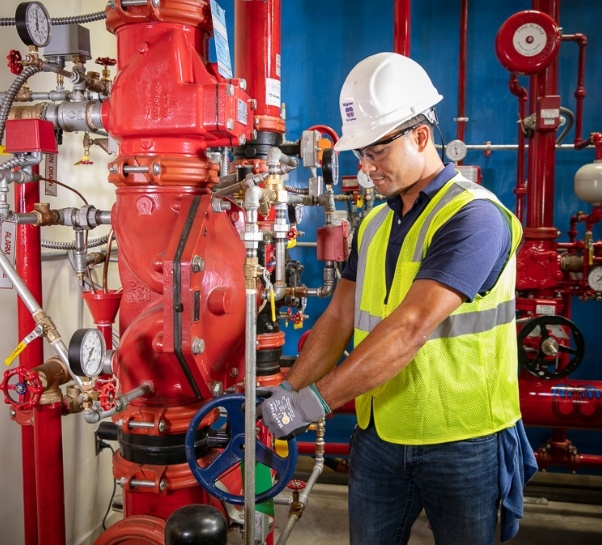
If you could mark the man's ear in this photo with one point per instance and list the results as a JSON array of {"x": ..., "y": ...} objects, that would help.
[{"x": 423, "y": 135}]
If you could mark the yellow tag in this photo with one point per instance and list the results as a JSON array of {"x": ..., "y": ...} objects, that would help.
[
  {"x": 291, "y": 243},
  {"x": 3, "y": 151},
  {"x": 360, "y": 202},
  {"x": 20, "y": 347},
  {"x": 298, "y": 325}
]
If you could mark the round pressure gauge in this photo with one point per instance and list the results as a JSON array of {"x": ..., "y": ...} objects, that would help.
[
  {"x": 594, "y": 279},
  {"x": 33, "y": 24},
  {"x": 330, "y": 166},
  {"x": 86, "y": 352},
  {"x": 364, "y": 180},
  {"x": 456, "y": 150}
]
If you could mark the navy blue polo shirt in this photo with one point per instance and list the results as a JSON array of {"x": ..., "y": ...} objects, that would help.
[{"x": 467, "y": 253}]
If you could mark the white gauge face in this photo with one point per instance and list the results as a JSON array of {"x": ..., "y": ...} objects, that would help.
[
  {"x": 33, "y": 24},
  {"x": 456, "y": 150},
  {"x": 88, "y": 348},
  {"x": 594, "y": 279},
  {"x": 91, "y": 352},
  {"x": 364, "y": 180}
]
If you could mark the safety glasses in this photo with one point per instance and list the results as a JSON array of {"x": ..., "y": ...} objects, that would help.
[{"x": 379, "y": 155}]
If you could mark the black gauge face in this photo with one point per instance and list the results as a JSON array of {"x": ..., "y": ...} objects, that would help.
[
  {"x": 330, "y": 166},
  {"x": 33, "y": 24}
]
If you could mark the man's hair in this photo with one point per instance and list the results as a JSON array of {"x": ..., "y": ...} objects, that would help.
[{"x": 428, "y": 118}]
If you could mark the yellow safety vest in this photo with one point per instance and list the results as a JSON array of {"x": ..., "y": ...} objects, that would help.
[{"x": 463, "y": 382}]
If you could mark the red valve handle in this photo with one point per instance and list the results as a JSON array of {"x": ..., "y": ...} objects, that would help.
[
  {"x": 28, "y": 388},
  {"x": 296, "y": 484},
  {"x": 14, "y": 58},
  {"x": 106, "y": 61},
  {"x": 107, "y": 396}
]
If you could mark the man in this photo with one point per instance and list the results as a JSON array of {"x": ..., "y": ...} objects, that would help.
[{"x": 428, "y": 296}]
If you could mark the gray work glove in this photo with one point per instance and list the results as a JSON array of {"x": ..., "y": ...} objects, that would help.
[{"x": 287, "y": 413}]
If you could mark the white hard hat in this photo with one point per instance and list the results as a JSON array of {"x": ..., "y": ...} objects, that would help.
[{"x": 380, "y": 93}]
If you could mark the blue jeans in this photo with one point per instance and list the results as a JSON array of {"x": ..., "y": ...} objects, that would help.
[{"x": 389, "y": 485}]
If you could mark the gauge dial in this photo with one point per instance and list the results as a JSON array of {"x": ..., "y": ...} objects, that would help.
[
  {"x": 33, "y": 24},
  {"x": 86, "y": 352},
  {"x": 330, "y": 166},
  {"x": 456, "y": 150},
  {"x": 594, "y": 279},
  {"x": 364, "y": 180}
]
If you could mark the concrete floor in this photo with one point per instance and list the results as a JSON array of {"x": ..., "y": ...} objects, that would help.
[
  {"x": 552, "y": 514},
  {"x": 546, "y": 522}
]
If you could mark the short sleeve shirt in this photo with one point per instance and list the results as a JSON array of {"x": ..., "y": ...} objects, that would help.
[{"x": 467, "y": 253}]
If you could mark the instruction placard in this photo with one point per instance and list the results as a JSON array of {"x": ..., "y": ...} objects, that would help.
[{"x": 220, "y": 37}]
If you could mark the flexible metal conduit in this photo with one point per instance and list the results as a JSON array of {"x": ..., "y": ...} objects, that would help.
[
  {"x": 78, "y": 19},
  {"x": 10, "y": 95}
]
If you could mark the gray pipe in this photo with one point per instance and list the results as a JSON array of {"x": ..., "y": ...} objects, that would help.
[
  {"x": 304, "y": 495},
  {"x": 34, "y": 308}
]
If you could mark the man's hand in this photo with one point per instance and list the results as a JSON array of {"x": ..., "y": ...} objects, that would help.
[{"x": 287, "y": 413}]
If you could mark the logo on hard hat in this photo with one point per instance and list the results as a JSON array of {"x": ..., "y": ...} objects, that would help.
[{"x": 349, "y": 113}]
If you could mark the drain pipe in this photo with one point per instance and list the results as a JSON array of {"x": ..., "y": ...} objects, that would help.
[
  {"x": 251, "y": 237},
  {"x": 297, "y": 507}
]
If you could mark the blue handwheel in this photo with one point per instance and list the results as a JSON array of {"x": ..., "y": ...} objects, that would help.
[{"x": 233, "y": 452}]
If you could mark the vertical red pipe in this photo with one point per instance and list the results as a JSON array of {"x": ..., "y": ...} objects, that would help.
[
  {"x": 461, "y": 119},
  {"x": 257, "y": 58},
  {"x": 401, "y": 26},
  {"x": 28, "y": 264},
  {"x": 49, "y": 466},
  {"x": 520, "y": 189},
  {"x": 542, "y": 149}
]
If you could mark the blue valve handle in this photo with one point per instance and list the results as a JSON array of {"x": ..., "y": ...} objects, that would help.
[{"x": 234, "y": 453}]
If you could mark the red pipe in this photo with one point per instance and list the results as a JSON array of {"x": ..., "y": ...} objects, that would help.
[
  {"x": 257, "y": 59},
  {"x": 574, "y": 404},
  {"x": 462, "y": 119},
  {"x": 542, "y": 149},
  {"x": 401, "y": 26},
  {"x": 580, "y": 92},
  {"x": 521, "y": 190},
  {"x": 28, "y": 264},
  {"x": 330, "y": 449},
  {"x": 559, "y": 451},
  {"x": 49, "y": 464}
]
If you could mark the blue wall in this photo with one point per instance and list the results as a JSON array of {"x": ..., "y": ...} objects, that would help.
[{"x": 323, "y": 40}]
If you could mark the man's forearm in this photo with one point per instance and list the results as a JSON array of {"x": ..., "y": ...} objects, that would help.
[{"x": 328, "y": 339}]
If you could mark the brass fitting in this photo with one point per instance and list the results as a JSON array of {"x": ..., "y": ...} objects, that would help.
[
  {"x": 45, "y": 215},
  {"x": 50, "y": 330},
  {"x": 251, "y": 272},
  {"x": 52, "y": 373}
]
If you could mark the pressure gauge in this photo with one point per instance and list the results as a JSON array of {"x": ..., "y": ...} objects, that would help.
[
  {"x": 594, "y": 279},
  {"x": 33, "y": 24},
  {"x": 456, "y": 150},
  {"x": 330, "y": 166},
  {"x": 364, "y": 180},
  {"x": 86, "y": 352}
]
